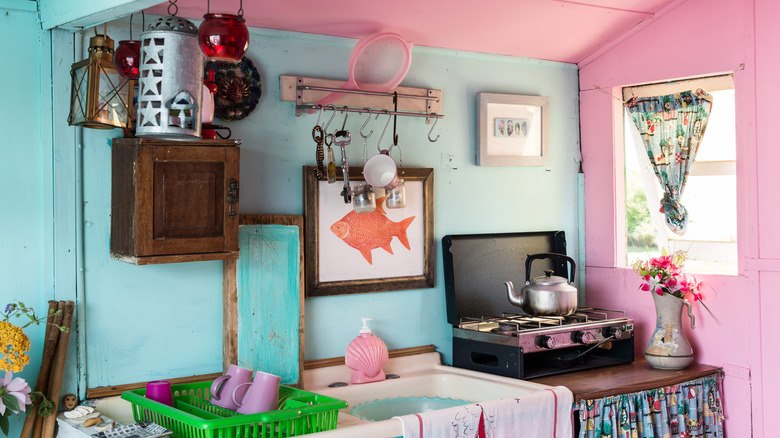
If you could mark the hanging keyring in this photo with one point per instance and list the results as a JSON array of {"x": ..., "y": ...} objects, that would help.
[
  {"x": 329, "y": 137},
  {"x": 343, "y": 125},
  {"x": 435, "y": 121}
]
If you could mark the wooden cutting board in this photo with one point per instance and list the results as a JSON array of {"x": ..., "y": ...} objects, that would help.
[{"x": 263, "y": 298}]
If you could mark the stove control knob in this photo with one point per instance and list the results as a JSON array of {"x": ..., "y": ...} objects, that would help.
[
  {"x": 544, "y": 341},
  {"x": 583, "y": 337},
  {"x": 614, "y": 332}
]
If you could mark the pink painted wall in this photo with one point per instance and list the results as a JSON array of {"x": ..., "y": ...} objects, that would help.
[{"x": 698, "y": 38}]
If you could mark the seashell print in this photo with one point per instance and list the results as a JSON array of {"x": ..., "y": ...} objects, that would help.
[{"x": 366, "y": 355}]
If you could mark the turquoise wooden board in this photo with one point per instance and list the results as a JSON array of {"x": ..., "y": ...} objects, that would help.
[{"x": 268, "y": 287}]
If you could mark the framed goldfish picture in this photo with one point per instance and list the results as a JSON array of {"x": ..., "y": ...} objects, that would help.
[{"x": 352, "y": 247}]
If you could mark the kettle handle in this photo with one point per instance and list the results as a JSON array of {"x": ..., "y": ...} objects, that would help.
[{"x": 547, "y": 255}]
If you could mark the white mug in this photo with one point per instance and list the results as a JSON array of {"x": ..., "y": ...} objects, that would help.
[{"x": 381, "y": 171}]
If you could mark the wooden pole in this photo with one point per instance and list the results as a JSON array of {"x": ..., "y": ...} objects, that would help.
[
  {"x": 49, "y": 345},
  {"x": 55, "y": 376}
]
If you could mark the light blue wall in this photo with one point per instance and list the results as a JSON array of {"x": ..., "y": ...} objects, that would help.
[
  {"x": 148, "y": 322},
  {"x": 133, "y": 312},
  {"x": 26, "y": 272}
]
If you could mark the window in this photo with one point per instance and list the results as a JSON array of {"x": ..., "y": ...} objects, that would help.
[{"x": 709, "y": 195}]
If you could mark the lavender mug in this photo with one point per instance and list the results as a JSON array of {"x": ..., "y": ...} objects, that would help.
[
  {"x": 261, "y": 396},
  {"x": 226, "y": 387}
]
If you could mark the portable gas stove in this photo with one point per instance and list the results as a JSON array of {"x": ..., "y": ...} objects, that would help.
[
  {"x": 523, "y": 346},
  {"x": 492, "y": 335}
]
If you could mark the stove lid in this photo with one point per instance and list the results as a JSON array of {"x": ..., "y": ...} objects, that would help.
[{"x": 477, "y": 265}]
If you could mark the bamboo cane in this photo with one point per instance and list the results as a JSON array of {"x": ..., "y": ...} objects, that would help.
[
  {"x": 49, "y": 345},
  {"x": 55, "y": 376}
]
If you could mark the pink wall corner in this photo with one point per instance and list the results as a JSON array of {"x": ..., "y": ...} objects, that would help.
[{"x": 696, "y": 38}]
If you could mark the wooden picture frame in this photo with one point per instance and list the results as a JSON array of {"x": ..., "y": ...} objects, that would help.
[
  {"x": 513, "y": 130},
  {"x": 334, "y": 267}
]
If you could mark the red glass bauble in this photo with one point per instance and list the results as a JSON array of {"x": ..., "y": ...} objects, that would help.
[
  {"x": 127, "y": 58},
  {"x": 223, "y": 37}
]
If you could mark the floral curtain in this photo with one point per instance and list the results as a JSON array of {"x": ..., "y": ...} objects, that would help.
[
  {"x": 671, "y": 128},
  {"x": 688, "y": 410}
]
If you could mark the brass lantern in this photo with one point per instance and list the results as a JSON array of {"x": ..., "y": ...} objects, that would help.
[{"x": 99, "y": 96}]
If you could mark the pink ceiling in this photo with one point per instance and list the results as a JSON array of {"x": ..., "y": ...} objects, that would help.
[{"x": 557, "y": 30}]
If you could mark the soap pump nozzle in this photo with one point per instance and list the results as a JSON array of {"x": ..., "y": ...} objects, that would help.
[{"x": 366, "y": 328}]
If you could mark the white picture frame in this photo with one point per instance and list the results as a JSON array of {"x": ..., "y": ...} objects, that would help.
[{"x": 526, "y": 142}]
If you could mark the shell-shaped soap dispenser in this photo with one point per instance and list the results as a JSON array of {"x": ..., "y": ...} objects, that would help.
[{"x": 366, "y": 355}]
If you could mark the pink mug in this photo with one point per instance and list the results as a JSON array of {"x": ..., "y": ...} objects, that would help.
[
  {"x": 224, "y": 387},
  {"x": 262, "y": 395}
]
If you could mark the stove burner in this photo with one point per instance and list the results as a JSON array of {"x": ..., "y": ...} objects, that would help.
[{"x": 506, "y": 328}]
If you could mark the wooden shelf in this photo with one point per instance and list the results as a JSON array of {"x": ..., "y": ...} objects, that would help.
[{"x": 623, "y": 379}]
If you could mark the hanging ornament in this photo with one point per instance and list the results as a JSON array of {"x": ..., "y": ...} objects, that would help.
[
  {"x": 127, "y": 55},
  {"x": 99, "y": 97},
  {"x": 223, "y": 37},
  {"x": 171, "y": 79}
]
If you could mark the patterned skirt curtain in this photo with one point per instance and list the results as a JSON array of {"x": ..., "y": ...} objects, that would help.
[
  {"x": 671, "y": 128},
  {"x": 692, "y": 409}
]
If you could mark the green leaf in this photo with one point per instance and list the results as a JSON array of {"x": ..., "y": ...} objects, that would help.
[
  {"x": 4, "y": 424},
  {"x": 11, "y": 402}
]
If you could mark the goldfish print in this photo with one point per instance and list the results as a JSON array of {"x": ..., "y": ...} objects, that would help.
[{"x": 368, "y": 231}]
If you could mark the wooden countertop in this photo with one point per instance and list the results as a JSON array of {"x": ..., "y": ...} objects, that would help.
[{"x": 623, "y": 379}]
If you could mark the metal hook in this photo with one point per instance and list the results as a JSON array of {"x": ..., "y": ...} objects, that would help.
[
  {"x": 435, "y": 121},
  {"x": 366, "y": 123},
  {"x": 332, "y": 108},
  {"x": 319, "y": 114},
  {"x": 379, "y": 143},
  {"x": 346, "y": 116},
  {"x": 395, "y": 117}
]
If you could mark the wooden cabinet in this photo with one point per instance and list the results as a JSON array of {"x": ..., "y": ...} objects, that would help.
[{"x": 174, "y": 201}]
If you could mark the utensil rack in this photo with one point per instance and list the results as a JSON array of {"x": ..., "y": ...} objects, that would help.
[{"x": 412, "y": 102}]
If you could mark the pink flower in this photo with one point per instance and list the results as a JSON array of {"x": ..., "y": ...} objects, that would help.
[
  {"x": 652, "y": 284},
  {"x": 16, "y": 387}
]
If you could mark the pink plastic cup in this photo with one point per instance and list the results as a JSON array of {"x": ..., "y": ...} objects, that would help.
[
  {"x": 160, "y": 391},
  {"x": 262, "y": 395},
  {"x": 224, "y": 387}
]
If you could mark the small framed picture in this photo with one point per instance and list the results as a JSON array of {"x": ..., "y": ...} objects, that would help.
[{"x": 513, "y": 130}]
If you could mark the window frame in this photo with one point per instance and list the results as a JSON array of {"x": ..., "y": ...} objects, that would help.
[{"x": 700, "y": 168}]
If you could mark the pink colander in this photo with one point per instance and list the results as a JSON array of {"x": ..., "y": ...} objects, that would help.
[{"x": 379, "y": 62}]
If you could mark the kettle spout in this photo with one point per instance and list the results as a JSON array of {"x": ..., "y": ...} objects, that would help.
[{"x": 515, "y": 299}]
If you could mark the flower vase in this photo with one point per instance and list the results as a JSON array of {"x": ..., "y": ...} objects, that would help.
[{"x": 668, "y": 348}]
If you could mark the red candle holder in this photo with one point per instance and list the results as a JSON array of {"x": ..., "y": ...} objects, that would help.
[
  {"x": 223, "y": 37},
  {"x": 127, "y": 58}
]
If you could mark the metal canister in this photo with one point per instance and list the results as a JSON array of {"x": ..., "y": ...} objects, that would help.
[{"x": 170, "y": 81}]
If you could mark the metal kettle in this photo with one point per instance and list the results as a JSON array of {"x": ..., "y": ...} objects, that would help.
[{"x": 547, "y": 295}]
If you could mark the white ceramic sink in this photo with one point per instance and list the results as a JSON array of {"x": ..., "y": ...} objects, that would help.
[{"x": 420, "y": 375}]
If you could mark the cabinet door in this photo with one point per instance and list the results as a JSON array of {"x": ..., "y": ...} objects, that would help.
[{"x": 193, "y": 198}]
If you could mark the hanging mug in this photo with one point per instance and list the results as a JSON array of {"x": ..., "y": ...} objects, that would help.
[
  {"x": 224, "y": 387},
  {"x": 381, "y": 171}
]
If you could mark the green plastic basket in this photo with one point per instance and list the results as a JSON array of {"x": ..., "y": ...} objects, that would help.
[{"x": 192, "y": 416}]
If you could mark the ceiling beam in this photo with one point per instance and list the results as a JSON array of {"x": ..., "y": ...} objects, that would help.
[
  {"x": 79, "y": 14},
  {"x": 595, "y": 6}
]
